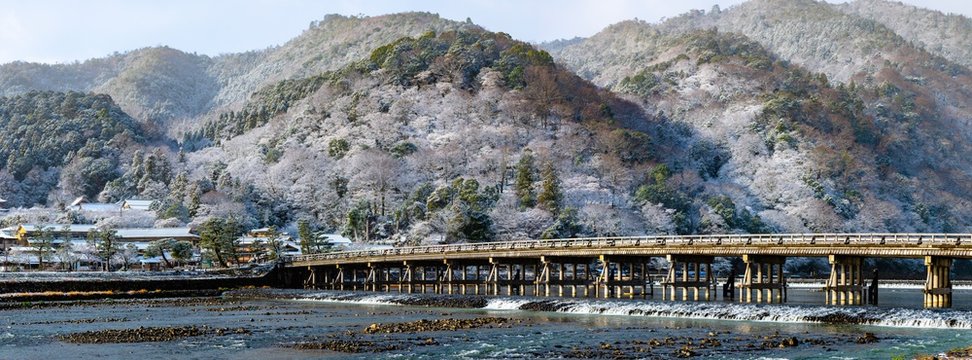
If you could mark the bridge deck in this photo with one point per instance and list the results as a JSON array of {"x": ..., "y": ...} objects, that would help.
[{"x": 794, "y": 245}]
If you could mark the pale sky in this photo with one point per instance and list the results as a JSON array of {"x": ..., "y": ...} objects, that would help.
[{"x": 55, "y": 31}]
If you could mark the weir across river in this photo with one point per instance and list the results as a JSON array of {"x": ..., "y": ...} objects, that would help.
[{"x": 621, "y": 266}]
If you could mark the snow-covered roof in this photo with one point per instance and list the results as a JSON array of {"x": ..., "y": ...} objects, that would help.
[
  {"x": 74, "y": 228},
  {"x": 99, "y": 207},
  {"x": 249, "y": 240},
  {"x": 334, "y": 238},
  {"x": 77, "y": 201},
  {"x": 138, "y": 204},
  {"x": 368, "y": 247},
  {"x": 161, "y": 233},
  {"x": 123, "y": 234},
  {"x": 8, "y": 233}
]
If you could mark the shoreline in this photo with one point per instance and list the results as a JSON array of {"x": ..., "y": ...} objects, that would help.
[{"x": 71, "y": 286}]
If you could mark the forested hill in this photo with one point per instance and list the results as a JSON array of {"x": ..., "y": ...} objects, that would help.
[
  {"x": 170, "y": 88},
  {"x": 874, "y": 131},
  {"x": 453, "y": 136},
  {"x": 54, "y": 142},
  {"x": 946, "y": 35}
]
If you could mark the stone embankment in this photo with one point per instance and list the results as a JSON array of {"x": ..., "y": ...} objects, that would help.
[{"x": 21, "y": 287}]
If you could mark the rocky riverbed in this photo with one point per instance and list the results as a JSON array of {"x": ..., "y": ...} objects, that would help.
[
  {"x": 439, "y": 325},
  {"x": 146, "y": 334}
]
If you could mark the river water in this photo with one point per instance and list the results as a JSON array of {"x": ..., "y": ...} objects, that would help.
[{"x": 568, "y": 328}]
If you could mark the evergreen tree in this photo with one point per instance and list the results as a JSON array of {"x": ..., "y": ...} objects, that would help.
[
  {"x": 182, "y": 251},
  {"x": 104, "y": 240},
  {"x": 194, "y": 202},
  {"x": 274, "y": 243},
  {"x": 306, "y": 236},
  {"x": 44, "y": 245},
  {"x": 159, "y": 247},
  {"x": 525, "y": 176},
  {"x": 470, "y": 219},
  {"x": 550, "y": 197},
  {"x": 220, "y": 238},
  {"x": 566, "y": 226}
]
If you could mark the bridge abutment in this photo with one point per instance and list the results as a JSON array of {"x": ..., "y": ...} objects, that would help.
[{"x": 938, "y": 283}]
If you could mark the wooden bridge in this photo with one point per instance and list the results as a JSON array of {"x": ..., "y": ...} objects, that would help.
[{"x": 622, "y": 267}]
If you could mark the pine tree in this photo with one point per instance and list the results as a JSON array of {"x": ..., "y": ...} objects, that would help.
[
  {"x": 221, "y": 237},
  {"x": 525, "y": 176},
  {"x": 104, "y": 241},
  {"x": 306, "y": 236},
  {"x": 550, "y": 196},
  {"x": 194, "y": 202},
  {"x": 44, "y": 245}
]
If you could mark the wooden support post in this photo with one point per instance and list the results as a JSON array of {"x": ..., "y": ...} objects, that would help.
[
  {"x": 685, "y": 273},
  {"x": 311, "y": 281},
  {"x": 938, "y": 282},
  {"x": 339, "y": 278},
  {"x": 408, "y": 278},
  {"x": 845, "y": 286},
  {"x": 698, "y": 279},
  {"x": 764, "y": 275},
  {"x": 492, "y": 281},
  {"x": 690, "y": 277}
]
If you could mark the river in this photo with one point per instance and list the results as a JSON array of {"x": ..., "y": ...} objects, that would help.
[{"x": 271, "y": 324}]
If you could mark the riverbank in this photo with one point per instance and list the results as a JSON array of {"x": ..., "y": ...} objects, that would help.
[{"x": 53, "y": 286}]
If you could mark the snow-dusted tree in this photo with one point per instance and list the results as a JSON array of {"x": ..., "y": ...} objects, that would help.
[
  {"x": 127, "y": 255},
  {"x": 220, "y": 237},
  {"x": 376, "y": 171},
  {"x": 44, "y": 245},
  {"x": 104, "y": 240},
  {"x": 599, "y": 219},
  {"x": 525, "y": 176},
  {"x": 550, "y": 197},
  {"x": 160, "y": 248},
  {"x": 67, "y": 255},
  {"x": 658, "y": 220},
  {"x": 182, "y": 251},
  {"x": 274, "y": 243}
]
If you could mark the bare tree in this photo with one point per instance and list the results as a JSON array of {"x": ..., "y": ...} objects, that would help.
[{"x": 377, "y": 171}]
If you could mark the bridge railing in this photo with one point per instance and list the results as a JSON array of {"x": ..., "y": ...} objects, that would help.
[{"x": 730, "y": 240}]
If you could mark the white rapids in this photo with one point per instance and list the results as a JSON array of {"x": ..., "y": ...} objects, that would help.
[{"x": 891, "y": 317}]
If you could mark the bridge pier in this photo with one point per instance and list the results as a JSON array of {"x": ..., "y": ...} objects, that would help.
[
  {"x": 562, "y": 273},
  {"x": 690, "y": 268},
  {"x": 627, "y": 272},
  {"x": 763, "y": 274},
  {"x": 938, "y": 282},
  {"x": 351, "y": 277},
  {"x": 311, "y": 281},
  {"x": 846, "y": 283},
  {"x": 511, "y": 274}
]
